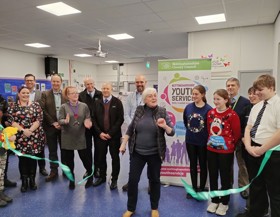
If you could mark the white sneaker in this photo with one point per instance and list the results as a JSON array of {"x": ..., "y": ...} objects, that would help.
[
  {"x": 212, "y": 207},
  {"x": 222, "y": 209}
]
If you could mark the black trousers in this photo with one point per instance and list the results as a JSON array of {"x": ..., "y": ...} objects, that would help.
[
  {"x": 53, "y": 137},
  {"x": 101, "y": 153},
  {"x": 69, "y": 158},
  {"x": 89, "y": 137},
  {"x": 197, "y": 153},
  {"x": 41, "y": 163},
  {"x": 266, "y": 187},
  {"x": 137, "y": 163},
  {"x": 220, "y": 164},
  {"x": 27, "y": 166}
]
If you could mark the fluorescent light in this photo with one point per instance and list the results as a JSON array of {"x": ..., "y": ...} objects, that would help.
[
  {"x": 120, "y": 36},
  {"x": 59, "y": 9},
  {"x": 37, "y": 45},
  {"x": 82, "y": 55},
  {"x": 216, "y": 18},
  {"x": 111, "y": 61}
]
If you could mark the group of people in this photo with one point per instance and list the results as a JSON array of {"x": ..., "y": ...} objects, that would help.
[
  {"x": 70, "y": 121},
  {"x": 237, "y": 125}
]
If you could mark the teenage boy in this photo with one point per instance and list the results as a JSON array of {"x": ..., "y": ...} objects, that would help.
[{"x": 261, "y": 134}]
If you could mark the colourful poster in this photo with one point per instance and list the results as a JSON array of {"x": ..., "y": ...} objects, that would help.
[{"x": 176, "y": 80}]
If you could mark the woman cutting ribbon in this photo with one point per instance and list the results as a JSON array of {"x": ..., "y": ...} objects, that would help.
[{"x": 74, "y": 117}]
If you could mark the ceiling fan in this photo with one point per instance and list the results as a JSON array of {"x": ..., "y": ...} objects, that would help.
[{"x": 99, "y": 52}]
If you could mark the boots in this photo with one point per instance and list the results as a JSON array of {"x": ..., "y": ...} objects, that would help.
[
  {"x": 89, "y": 182},
  {"x": 72, "y": 183},
  {"x": 32, "y": 183},
  {"x": 5, "y": 198},
  {"x": 3, "y": 203},
  {"x": 24, "y": 185}
]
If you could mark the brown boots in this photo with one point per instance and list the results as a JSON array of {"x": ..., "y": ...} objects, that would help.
[{"x": 4, "y": 199}]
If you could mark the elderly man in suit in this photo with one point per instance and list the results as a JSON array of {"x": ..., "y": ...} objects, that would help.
[
  {"x": 89, "y": 96},
  {"x": 35, "y": 96},
  {"x": 107, "y": 121},
  {"x": 51, "y": 102}
]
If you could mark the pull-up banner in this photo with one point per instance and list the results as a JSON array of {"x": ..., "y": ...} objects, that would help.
[{"x": 176, "y": 80}]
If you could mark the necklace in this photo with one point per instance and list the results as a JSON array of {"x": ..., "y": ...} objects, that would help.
[
  {"x": 74, "y": 109},
  {"x": 23, "y": 103}
]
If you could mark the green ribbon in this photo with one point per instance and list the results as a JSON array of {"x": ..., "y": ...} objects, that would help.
[
  {"x": 219, "y": 193},
  {"x": 64, "y": 168}
]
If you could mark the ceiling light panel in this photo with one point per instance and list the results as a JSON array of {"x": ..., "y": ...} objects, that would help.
[
  {"x": 82, "y": 55},
  {"x": 37, "y": 45},
  {"x": 111, "y": 61},
  {"x": 215, "y": 18},
  {"x": 121, "y": 36},
  {"x": 59, "y": 9}
]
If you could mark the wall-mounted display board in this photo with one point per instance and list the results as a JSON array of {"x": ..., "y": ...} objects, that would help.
[{"x": 9, "y": 87}]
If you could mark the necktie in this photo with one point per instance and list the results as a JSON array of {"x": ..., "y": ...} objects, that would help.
[
  {"x": 106, "y": 101},
  {"x": 232, "y": 100},
  {"x": 258, "y": 121}
]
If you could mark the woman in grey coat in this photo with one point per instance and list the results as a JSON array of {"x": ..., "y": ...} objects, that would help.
[
  {"x": 147, "y": 145},
  {"x": 74, "y": 118}
]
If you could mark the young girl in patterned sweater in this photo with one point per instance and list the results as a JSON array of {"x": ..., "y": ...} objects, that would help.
[{"x": 224, "y": 131}]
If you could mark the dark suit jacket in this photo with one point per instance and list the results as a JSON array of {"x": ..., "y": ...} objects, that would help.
[
  {"x": 244, "y": 118},
  {"x": 48, "y": 106},
  {"x": 115, "y": 115},
  {"x": 86, "y": 98},
  {"x": 240, "y": 105},
  {"x": 37, "y": 97}
]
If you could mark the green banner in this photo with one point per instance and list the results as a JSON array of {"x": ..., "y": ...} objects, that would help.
[{"x": 184, "y": 65}]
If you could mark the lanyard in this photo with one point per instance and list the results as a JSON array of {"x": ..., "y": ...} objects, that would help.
[
  {"x": 235, "y": 103},
  {"x": 75, "y": 112}
]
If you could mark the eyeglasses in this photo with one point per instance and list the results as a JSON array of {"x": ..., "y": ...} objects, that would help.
[
  {"x": 74, "y": 93},
  {"x": 29, "y": 80}
]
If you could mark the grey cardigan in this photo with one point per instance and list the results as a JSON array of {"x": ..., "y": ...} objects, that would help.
[{"x": 159, "y": 112}]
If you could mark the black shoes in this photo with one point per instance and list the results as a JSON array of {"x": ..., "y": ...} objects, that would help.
[
  {"x": 32, "y": 183},
  {"x": 98, "y": 181},
  {"x": 53, "y": 176},
  {"x": 43, "y": 172},
  {"x": 71, "y": 185},
  {"x": 125, "y": 187},
  {"x": 9, "y": 184},
  {"x": 24, "y": 185},
  {"x": 114, "y": 184},
  {"x": 89, "y": 182},
  {"x": 244, "y": 195},
  {"x": 189, "y": 196}
]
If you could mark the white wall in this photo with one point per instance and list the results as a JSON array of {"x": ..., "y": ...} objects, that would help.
[
  {"x": 276, "y": 52},
  {"x": 75, "y": 72},
  {"x": 245, "y": 48},
  {"x": 128, "y": 71},
  {"x": 15, "y": 64}
]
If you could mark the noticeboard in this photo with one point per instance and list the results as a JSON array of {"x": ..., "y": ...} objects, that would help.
[{"x": 9, "y": 87}]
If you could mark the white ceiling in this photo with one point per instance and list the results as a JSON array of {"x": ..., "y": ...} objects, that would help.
[{"x": 169, "y": 20}]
